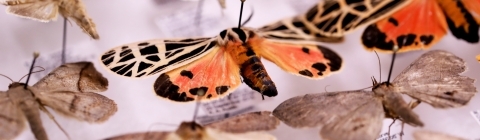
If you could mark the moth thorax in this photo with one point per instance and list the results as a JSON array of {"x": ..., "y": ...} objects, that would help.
[
  {"x": 235, "y": 35},
  {"x": 382, "y": 89},
  {"x": 15, "y": 84}
]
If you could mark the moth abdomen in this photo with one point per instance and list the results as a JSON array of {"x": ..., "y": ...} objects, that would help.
[{"x": 256, "y": 77}]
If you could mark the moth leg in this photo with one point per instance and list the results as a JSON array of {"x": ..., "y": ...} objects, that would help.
[
  {"x": 53, "y": 118},
  {"x": 401, "y": 132},
  {"x": 389, "y": 128}
]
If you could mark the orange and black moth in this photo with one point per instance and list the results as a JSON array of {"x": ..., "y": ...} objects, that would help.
[{"x": 218, "y": 65}]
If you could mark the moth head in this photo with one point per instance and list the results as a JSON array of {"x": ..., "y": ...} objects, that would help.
[
  {"x": 237, "y": 35},
  {"x": 15, "y": 84},
  {"x": 190, "y": 130},
  {"x": 382, "y": 88}
]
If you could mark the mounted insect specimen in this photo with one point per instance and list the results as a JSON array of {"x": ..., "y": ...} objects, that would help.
[{"x": 69, "y": 90}]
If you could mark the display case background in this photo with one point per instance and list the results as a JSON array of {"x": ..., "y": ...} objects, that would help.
[{"x": 126, "y": 21}]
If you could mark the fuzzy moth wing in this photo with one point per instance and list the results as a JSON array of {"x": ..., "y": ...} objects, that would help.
[
  {"x": 473, "y": 6},
  {"x": 306, "y": 60},
  {"x": 364, "y": 123},
  {"x": 434, "y": 78},
  {"x": 216, "y": 74},
  {"x": 335, "y": 18},
  {"x": 253, "y": 121},
  {"x": 75, "y": 9},
  {"x": 146, "y": 58},
  {"x": 401, "y": 30},
  {"x": 70, "y": 90},
  {"x": 317, "y": 110},
  {"x": 12, "y": 119},
  {"x": 43, "y": 11},
  {"x": 431, "y": 135},
  {"x": 461, "y": 21}
]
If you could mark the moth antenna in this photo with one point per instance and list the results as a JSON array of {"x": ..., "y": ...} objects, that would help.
[
  {"x": 64, "y": 41},
  {"x": 379, "y": 65},
  {"x": 43, "y": 69},
  {"x": 249, "y": 17},
  {"x": 391, "y": 65},
  {"x": 325, "y": 88},
  {"x": 55, "y": 121},
  {"x": 7, "y": 77},
  {"x": 241, "y": 12},
  {"x": 35, "y": 56},
  {"x": 200, "y": 94}
]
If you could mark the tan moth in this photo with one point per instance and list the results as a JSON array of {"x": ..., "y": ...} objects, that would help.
[
  {"x": 432, "y": 135},
  {"x": 433, "y": 78},
  {"x": 47, "y": 10},
  {"x": 249, "y": 126},
  {"x": 69, "y": 90}
]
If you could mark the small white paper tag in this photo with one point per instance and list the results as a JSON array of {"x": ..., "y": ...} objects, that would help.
[
  {"x": 395, "y": 130},
  {"x": 476, "y": 115},
  {"x": 240, "y": 101}
]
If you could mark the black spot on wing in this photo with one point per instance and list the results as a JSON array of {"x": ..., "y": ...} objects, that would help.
[
  {"x": 471, "y": 34},
  {"x": 335, "y": 59},
  {"x": 320, "y": 67},
  {"x": 142, "y": 66},
  {"x": 141, "y": 74},
  {"x": 153, "y": 58},
  {"x": 393, "y": 21},
  {"x": 372, "y": 37},
  {"x": 361, "y": 8},
  {"x": 223, "y": 34},
  {"x": 330, "y": 7},
  {"x": 209, "y": 96},
  {"x": 171, "y": 54},
  {"x": 306, "y": 73},
  {"x": 426, "y": 39},
  {"x": 310, "y": 15},
  {"x": 221, "y": 89},
  {"x": 328, "y": 24},
  {"x": 129, "y": 73},
  {"x": 406, "y": 40},
  {"x": 347, "y": 20},
  {"x": 195, "y": 91},
  {"x": 149, "y": 50},
  {"x": 163, "y": 87},
  {"x": 143, "y": 44},
  {"x": 186, "y": 73},
  {"x": 306, "y": 50},
  {"x": 123, "y": 69}
]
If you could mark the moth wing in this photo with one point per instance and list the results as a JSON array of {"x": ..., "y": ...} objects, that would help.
[
  {"x": 216, "y": 74},
  {"x": 431, "y": 135},
  {"x": 254, "y": 121},
  {"x": 365, "y": 123},
  {"x": 461, "y": 21},
  {"x": 12, "y": 119},
  {"x": 146, "y": 58},
  {"x": 85, "y": 106},
  {"x": 43, "y": 11},
  {"x": 142, "y": 136},
  {"x": 307, "y": 60},
  {"x": 76, "y": 11},
  {"x": 434, "y": 78},
  {"x": 402, "y": 30},
  {"x": 474, "y": 7},
  {"x": 212, "y": 134},
  {"x": 73, "y": 77},
  {"x": 339, "y": 17},
  {"x": 294, "y": 29},
  {"x": 317, "y": 110}
]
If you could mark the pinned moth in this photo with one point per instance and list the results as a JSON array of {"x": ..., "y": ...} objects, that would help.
[
  {"x": 47, "y": 10},
  {"x": 432, "y": 135},
  {"x": 249, "y": 126},
  {"x": 69, "y": 90},
  {"x": 433, "y": 78},
  {"x": 216, "y": 64},
  {"x": 422, "y": 23}
]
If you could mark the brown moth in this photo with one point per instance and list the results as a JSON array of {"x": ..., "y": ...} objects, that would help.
[
  {"x": 69, "y": 90},
  {"x": 431, "y": 135},
  {"x": 47, "y": 10},
  {"x": 248, "y": 127},
  {"x": 433, "y": 78}
]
